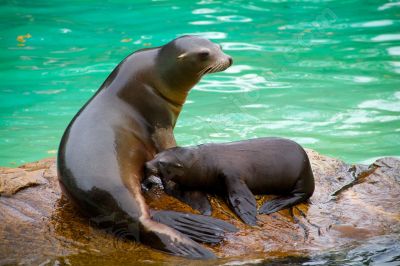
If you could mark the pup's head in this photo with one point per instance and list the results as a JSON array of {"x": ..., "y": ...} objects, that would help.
[{"x": 171, "y": 164}]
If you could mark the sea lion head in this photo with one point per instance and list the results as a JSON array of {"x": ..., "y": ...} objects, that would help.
[
  {"x": 183, "y": 61},
  {"x": 170, "y": 165},
  {"x": 199, "y": 56}
]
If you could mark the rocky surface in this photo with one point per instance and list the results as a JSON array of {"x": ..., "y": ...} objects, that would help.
[{"x": 351, "y": 204}]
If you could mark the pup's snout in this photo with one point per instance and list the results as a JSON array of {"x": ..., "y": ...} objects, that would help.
[
  {"x": 150, "y": 169},
  {"x": 152, "y": 182}
]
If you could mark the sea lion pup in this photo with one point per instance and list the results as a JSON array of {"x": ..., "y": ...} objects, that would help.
[
  {"x": 239, "y": 169},
  {"x": 131, "y": 118}
]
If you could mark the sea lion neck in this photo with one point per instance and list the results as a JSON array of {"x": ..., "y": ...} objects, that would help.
[
  {"x": 174, "y": 94},
  {"x": 174, "y": 83}
]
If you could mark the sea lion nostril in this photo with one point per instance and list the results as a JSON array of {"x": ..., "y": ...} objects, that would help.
[{"x": 230, "y": 60}]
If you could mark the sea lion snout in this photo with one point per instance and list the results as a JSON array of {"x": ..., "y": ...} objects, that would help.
[{"x": 230, "y": 60}]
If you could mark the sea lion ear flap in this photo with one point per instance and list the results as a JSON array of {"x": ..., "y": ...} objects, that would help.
[{"x": 181, "y": 56}]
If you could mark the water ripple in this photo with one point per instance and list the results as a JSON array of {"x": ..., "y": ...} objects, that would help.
[
  {"x": 385, "y": 105},
  {"x": 394, "y": 50},
  {"x": 388, "y": 5},
  {"x": 235, "y": 69},
  {"x": 49, "y": 91},
  {"x": 95, "y": 68},
  {"x": 367, "y": 116},
  {"x": 363, "y": 79},
  {"x": 202, "y": 22},
  {"x": 209, "y": 35},
  {"x": 386, "y": 37},
  {"x": 256, "y": 106},
  {"x": 234, "y": 19},
  {"x": 203, "y": 11},
  {"x": 232, "y": 84},
  {"x": 240, "y": 46},
  {"x": 375, "y": 23}
]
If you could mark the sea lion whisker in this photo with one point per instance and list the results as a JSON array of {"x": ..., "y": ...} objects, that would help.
[
  {"x": 221, "y": 66},
  {"x": 208, "y": 70},
  {"x": 214, "y": 68},
  {"x": 201, "y": 70},
  {"x": 204, "y": 71}
]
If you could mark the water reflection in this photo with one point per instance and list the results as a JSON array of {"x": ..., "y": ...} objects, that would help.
[
  {"x": 235, "y": 84},
  {"x": 375, "y": 23},
  {"x": 210, "y": 35},
  {"x": 235, "y": 69},
  {"x": 202, "y": 22},
  {"x": 395, "y": 51},
  {"x": 233, "y": 19},
  {"x": 385, "y": 105},
  {"x": 202, "y": 11},
  {"x": 237, "y": 46},
  {"x": 386, "y": 37},
  {"x": 388, "y": 6}
]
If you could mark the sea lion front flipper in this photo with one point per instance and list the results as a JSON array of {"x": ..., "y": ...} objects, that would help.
[
  {"x": 198, "y": 227},
  {"x": 196, "y": 199},
  {"x": 280, "y": 203},
  {"x": 242, "y": 200},
  {"x": 171, "y": 241}
]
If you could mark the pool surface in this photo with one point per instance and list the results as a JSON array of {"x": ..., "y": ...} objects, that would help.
[{"x": 324, "y": 73}]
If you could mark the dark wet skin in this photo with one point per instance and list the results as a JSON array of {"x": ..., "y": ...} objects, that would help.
[
  {"x": 237, "y": 170},
  {"x": 130, "y": 119}
]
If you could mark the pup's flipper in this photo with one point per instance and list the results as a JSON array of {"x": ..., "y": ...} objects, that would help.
[
  {"x": 198, "y": 227},
  {"x": 165, "y": 238},
  {"x": 241, "y": 200},
  {"x": 280, "y": 203},
  {"x": 196, "y": 199}
]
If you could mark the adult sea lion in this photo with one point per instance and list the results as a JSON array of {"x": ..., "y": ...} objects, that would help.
[
  {"x": 238, "y": 169},
  {"x": 131, "y": 118}
]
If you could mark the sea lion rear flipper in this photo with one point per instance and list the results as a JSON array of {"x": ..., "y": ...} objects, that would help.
[
  {"x": 165, "y": 238},
  {"x": 242, "y": 200},
  {"x": 198, "y": 227},
  {"x": 280, "y": 203},
  {"x": 303, "y": 190},
  {"x": 196, "y": 199}
]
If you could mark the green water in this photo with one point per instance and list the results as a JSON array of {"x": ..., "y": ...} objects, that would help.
[{"x": 324, "y": 73}]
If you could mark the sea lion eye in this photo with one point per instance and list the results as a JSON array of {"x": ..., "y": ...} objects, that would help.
[
  {"x": 181, "y": 56},
  {"x": 204, "y": 54}
]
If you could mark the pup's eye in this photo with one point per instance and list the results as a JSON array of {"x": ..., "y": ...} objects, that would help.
[{"x": 178, "y": 165}]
